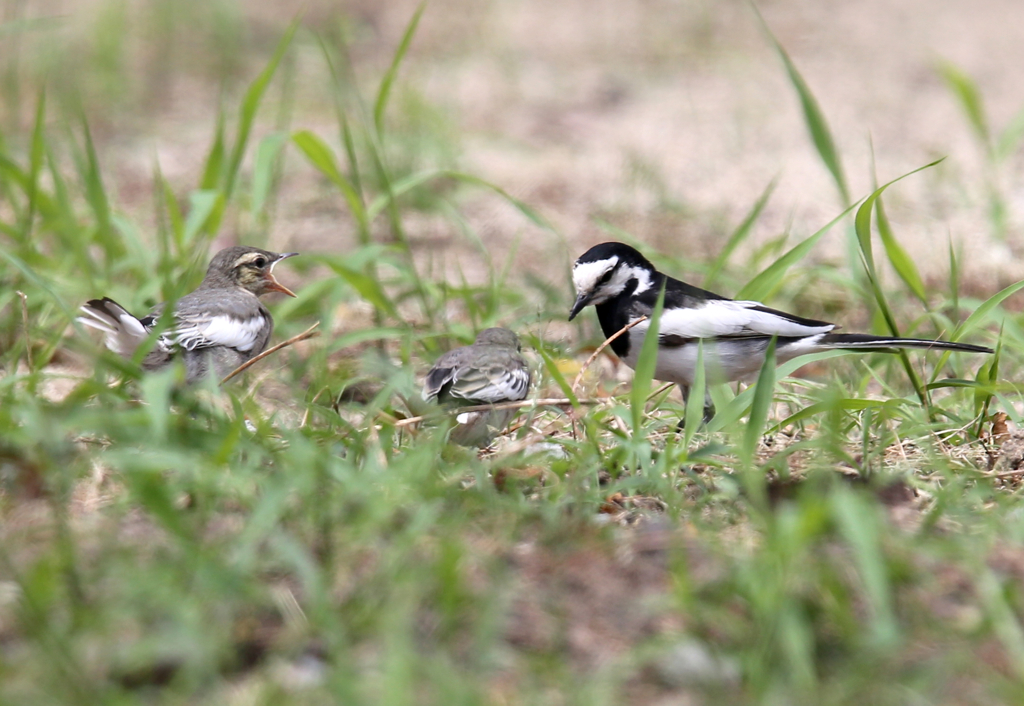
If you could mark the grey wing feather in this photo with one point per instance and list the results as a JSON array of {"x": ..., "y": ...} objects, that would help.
[
  {"x": 455, "y": 377},
  {"x": 437, "y": 378},
  {"x": 234, "y": 320},
  {"x": 495, "y": 383}
]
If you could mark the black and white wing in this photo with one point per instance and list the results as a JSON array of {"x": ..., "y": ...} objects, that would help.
[
  {"x": 230, "y": 321},
  {"x": 725, "y": 318},
  {"x": 123, "y": 333}
]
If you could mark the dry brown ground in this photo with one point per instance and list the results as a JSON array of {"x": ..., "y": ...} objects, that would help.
[{"x": 666, "y": 117}]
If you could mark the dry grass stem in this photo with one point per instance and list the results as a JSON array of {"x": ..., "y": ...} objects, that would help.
[
  {"x": 543, "y": 402},
  {"x": 308, "y": 333},
  {"x": 24, "y": 319},
  {"x": 600, "y": 348}
]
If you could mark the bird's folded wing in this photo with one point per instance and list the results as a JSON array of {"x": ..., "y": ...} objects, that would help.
[
  {"x": 497, "y": 383},
  {"x": 437, "y": 378},
  {"x": 724, "y": 318},
  {"x": 203, "y": 330}
]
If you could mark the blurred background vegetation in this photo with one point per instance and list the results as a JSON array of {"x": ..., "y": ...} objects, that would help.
[{"x": 828, "y": 540}]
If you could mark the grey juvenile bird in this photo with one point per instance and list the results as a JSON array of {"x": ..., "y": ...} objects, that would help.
[
  {"x": 623, "y": 286},
  {"x": 219, "y": 326},
  {"x": 490, "y": 371}
]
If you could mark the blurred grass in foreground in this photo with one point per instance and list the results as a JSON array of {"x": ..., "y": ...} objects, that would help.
[{"x": 829, "y": 540}]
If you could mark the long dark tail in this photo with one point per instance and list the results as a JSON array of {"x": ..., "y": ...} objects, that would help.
[{"x": 881, "y": 344}]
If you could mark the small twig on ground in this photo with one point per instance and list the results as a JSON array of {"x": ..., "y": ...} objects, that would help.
[
  {"x": 600, "y": 348},
  {"x": 543, "y": 402},
  {"x": 305, "y": 415},
  {"x": 24, "y": 319},
  {"x": 593, "y": 357},
  {"x": 308, "y": 333},
  {"x": 1005, "y": 474}
]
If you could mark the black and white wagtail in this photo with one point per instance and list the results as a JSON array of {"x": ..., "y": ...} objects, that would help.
[
  {"x": 623, "y": 286},
  {"x": 490, "y": 371},
  {"x": 221, "y": 324}
]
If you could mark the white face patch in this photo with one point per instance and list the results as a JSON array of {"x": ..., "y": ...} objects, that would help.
[
  {"x": 587, "y": 278},
  {"x": 585, "y": 275}
]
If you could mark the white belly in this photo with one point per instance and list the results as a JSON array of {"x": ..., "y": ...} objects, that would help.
[{"x": 724, "y": 360}]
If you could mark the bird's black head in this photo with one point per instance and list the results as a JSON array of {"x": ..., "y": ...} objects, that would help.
[
  {"x": 606, "y": 271},
  {"x": 246, "y": 267}
]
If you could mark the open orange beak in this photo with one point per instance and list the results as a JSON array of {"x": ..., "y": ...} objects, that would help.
[{"x": 272, "y": 284}]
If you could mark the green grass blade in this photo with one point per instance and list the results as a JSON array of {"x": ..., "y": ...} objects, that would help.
[
  {"x": 813, "y": 116},
  {"x": 760, "y": 406},
  {"x": 954, "y": 280},
  {"x": 174, "y": 215},
  {"x": 901, "y": 262},
  {"x": 321, "y": 157},
  {"x": 859, "y": 525},
  {"x": 268, "y": 154},
  {"x": 645, "y": 366},
  {"x": 734, "y": 409},
  {"x": 848, "y": 404},
  {"x": 250, "y": 104},
  {"x": 969, "y": 97},
  {"x": 1009, "y": 139},
  {"x": 551, "y": 366},
  {"x": 202, "y": 209},
  {"x": 1003, "y": 616},
  {"x": 862, "y": 227},
  {"x": 980, "y": 314},
  {"x": 988, "y": 375},
  {"x": 742, "y": 232},
  {"x": 36, "y": 158},
  {"x": 413, "y": 181},
  {"x": 213, "y": 168},
  {"x": 862, "y": 221},
  {"x": 32, "y": 277},
  {"x": 96, "y": 195},
  {"x": 366, "y": 286},
  {"x": 765, "y": 283},
  {"x": 347, "y": 138},
  {"x": 387, "y": 82}
]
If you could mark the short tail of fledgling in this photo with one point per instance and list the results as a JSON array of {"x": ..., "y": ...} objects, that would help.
[
  {"x": 883, "y": 344},
  {"x": 124, "y": 332}
]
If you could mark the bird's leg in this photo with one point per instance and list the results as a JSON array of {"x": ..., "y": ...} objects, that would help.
[
  {"x": 685, "y": 392},
  {"x": 709, "y": 406}
]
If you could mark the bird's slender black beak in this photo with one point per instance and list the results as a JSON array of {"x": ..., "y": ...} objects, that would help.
[
  {"x": 581, "y": 302},
  {"x": 273, "y": 285}
]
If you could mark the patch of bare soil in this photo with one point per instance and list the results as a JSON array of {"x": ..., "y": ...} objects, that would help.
[{"x": 667, "y": 119}]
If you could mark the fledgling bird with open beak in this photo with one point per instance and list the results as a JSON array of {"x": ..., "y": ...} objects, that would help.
[{"x": 216, "y": 328}]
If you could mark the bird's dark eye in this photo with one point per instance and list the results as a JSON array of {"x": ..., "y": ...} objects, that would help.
[
  {"x": 260, "y": 262},
  {"x": 605, "y": 277}
]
